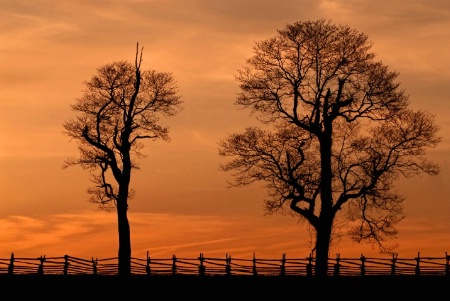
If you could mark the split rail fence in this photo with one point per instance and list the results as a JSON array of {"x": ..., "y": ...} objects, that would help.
[{"x": 205, "y": 266}]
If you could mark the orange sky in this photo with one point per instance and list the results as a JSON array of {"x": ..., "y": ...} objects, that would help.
[{"x": 182, "y": 204}]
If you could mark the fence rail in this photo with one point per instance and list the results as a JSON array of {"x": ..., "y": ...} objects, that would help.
[{"x": 206, "y": 266}]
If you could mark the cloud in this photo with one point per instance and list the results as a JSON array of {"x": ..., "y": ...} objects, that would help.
[{"x": 93, "y": 234}]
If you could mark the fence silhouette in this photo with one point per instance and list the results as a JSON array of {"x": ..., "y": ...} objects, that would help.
[{"x": 205, "y": 266}]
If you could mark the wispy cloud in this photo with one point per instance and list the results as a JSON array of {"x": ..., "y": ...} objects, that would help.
[{"x": 94, "y": 234}]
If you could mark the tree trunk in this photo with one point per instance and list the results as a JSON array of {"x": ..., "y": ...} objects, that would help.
[
  {"x": 122, "y": 211},
  {"x": 124, "y": 240},
  {"x": 326, "y": 215},
  {"x": 323, "y": 236}
]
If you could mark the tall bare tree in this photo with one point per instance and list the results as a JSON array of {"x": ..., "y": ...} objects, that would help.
[
  {"x": 338, "y": 134},
  {"x": 120, "y": 107}
]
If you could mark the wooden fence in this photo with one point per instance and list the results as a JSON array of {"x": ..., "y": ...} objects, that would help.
[{"x": 205, "y": 266}]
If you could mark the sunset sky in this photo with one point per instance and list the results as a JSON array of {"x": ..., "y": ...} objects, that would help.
[{"x": 182, "y": 202}]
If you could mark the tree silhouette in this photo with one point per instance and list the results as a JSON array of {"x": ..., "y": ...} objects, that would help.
[
  {"x": 338, "y": 132},
  {"x": 120, "y": 107}
]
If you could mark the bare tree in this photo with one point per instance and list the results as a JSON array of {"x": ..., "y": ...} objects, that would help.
[
  {"x": 120, "y": 107},
  {"x": 338, "y": 134}
]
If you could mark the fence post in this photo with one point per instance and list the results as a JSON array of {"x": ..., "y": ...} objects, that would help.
[
  {"x": 447, "y": 265},
  {"x": 66, "y": 264},
  {"x": 174, "y": 265},
  {"x": 283, "y": 265},
  {"x": 94, "y": 266},
  {"x": 201, "y": 267},
  {"x": 337, "y": 266},
  {"x": 309, "y": 266},
  {"x": 41, "y": 265},
  {"x": 255, "y": 272},
  {"x": 147, "y": 267},
  {"x": 228, "y": 265},
  {"x": 363, "y": 265},
  {"x": 11, "y": 265},
  {"x": 394, "y": 260},
  {"x": 417, "y": 270}
]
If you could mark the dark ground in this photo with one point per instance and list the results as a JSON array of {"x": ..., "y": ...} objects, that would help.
[{"x": 87, "y": 287}]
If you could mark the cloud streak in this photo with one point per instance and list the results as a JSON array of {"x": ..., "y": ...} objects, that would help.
[{"x": 93, "y": 234}]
